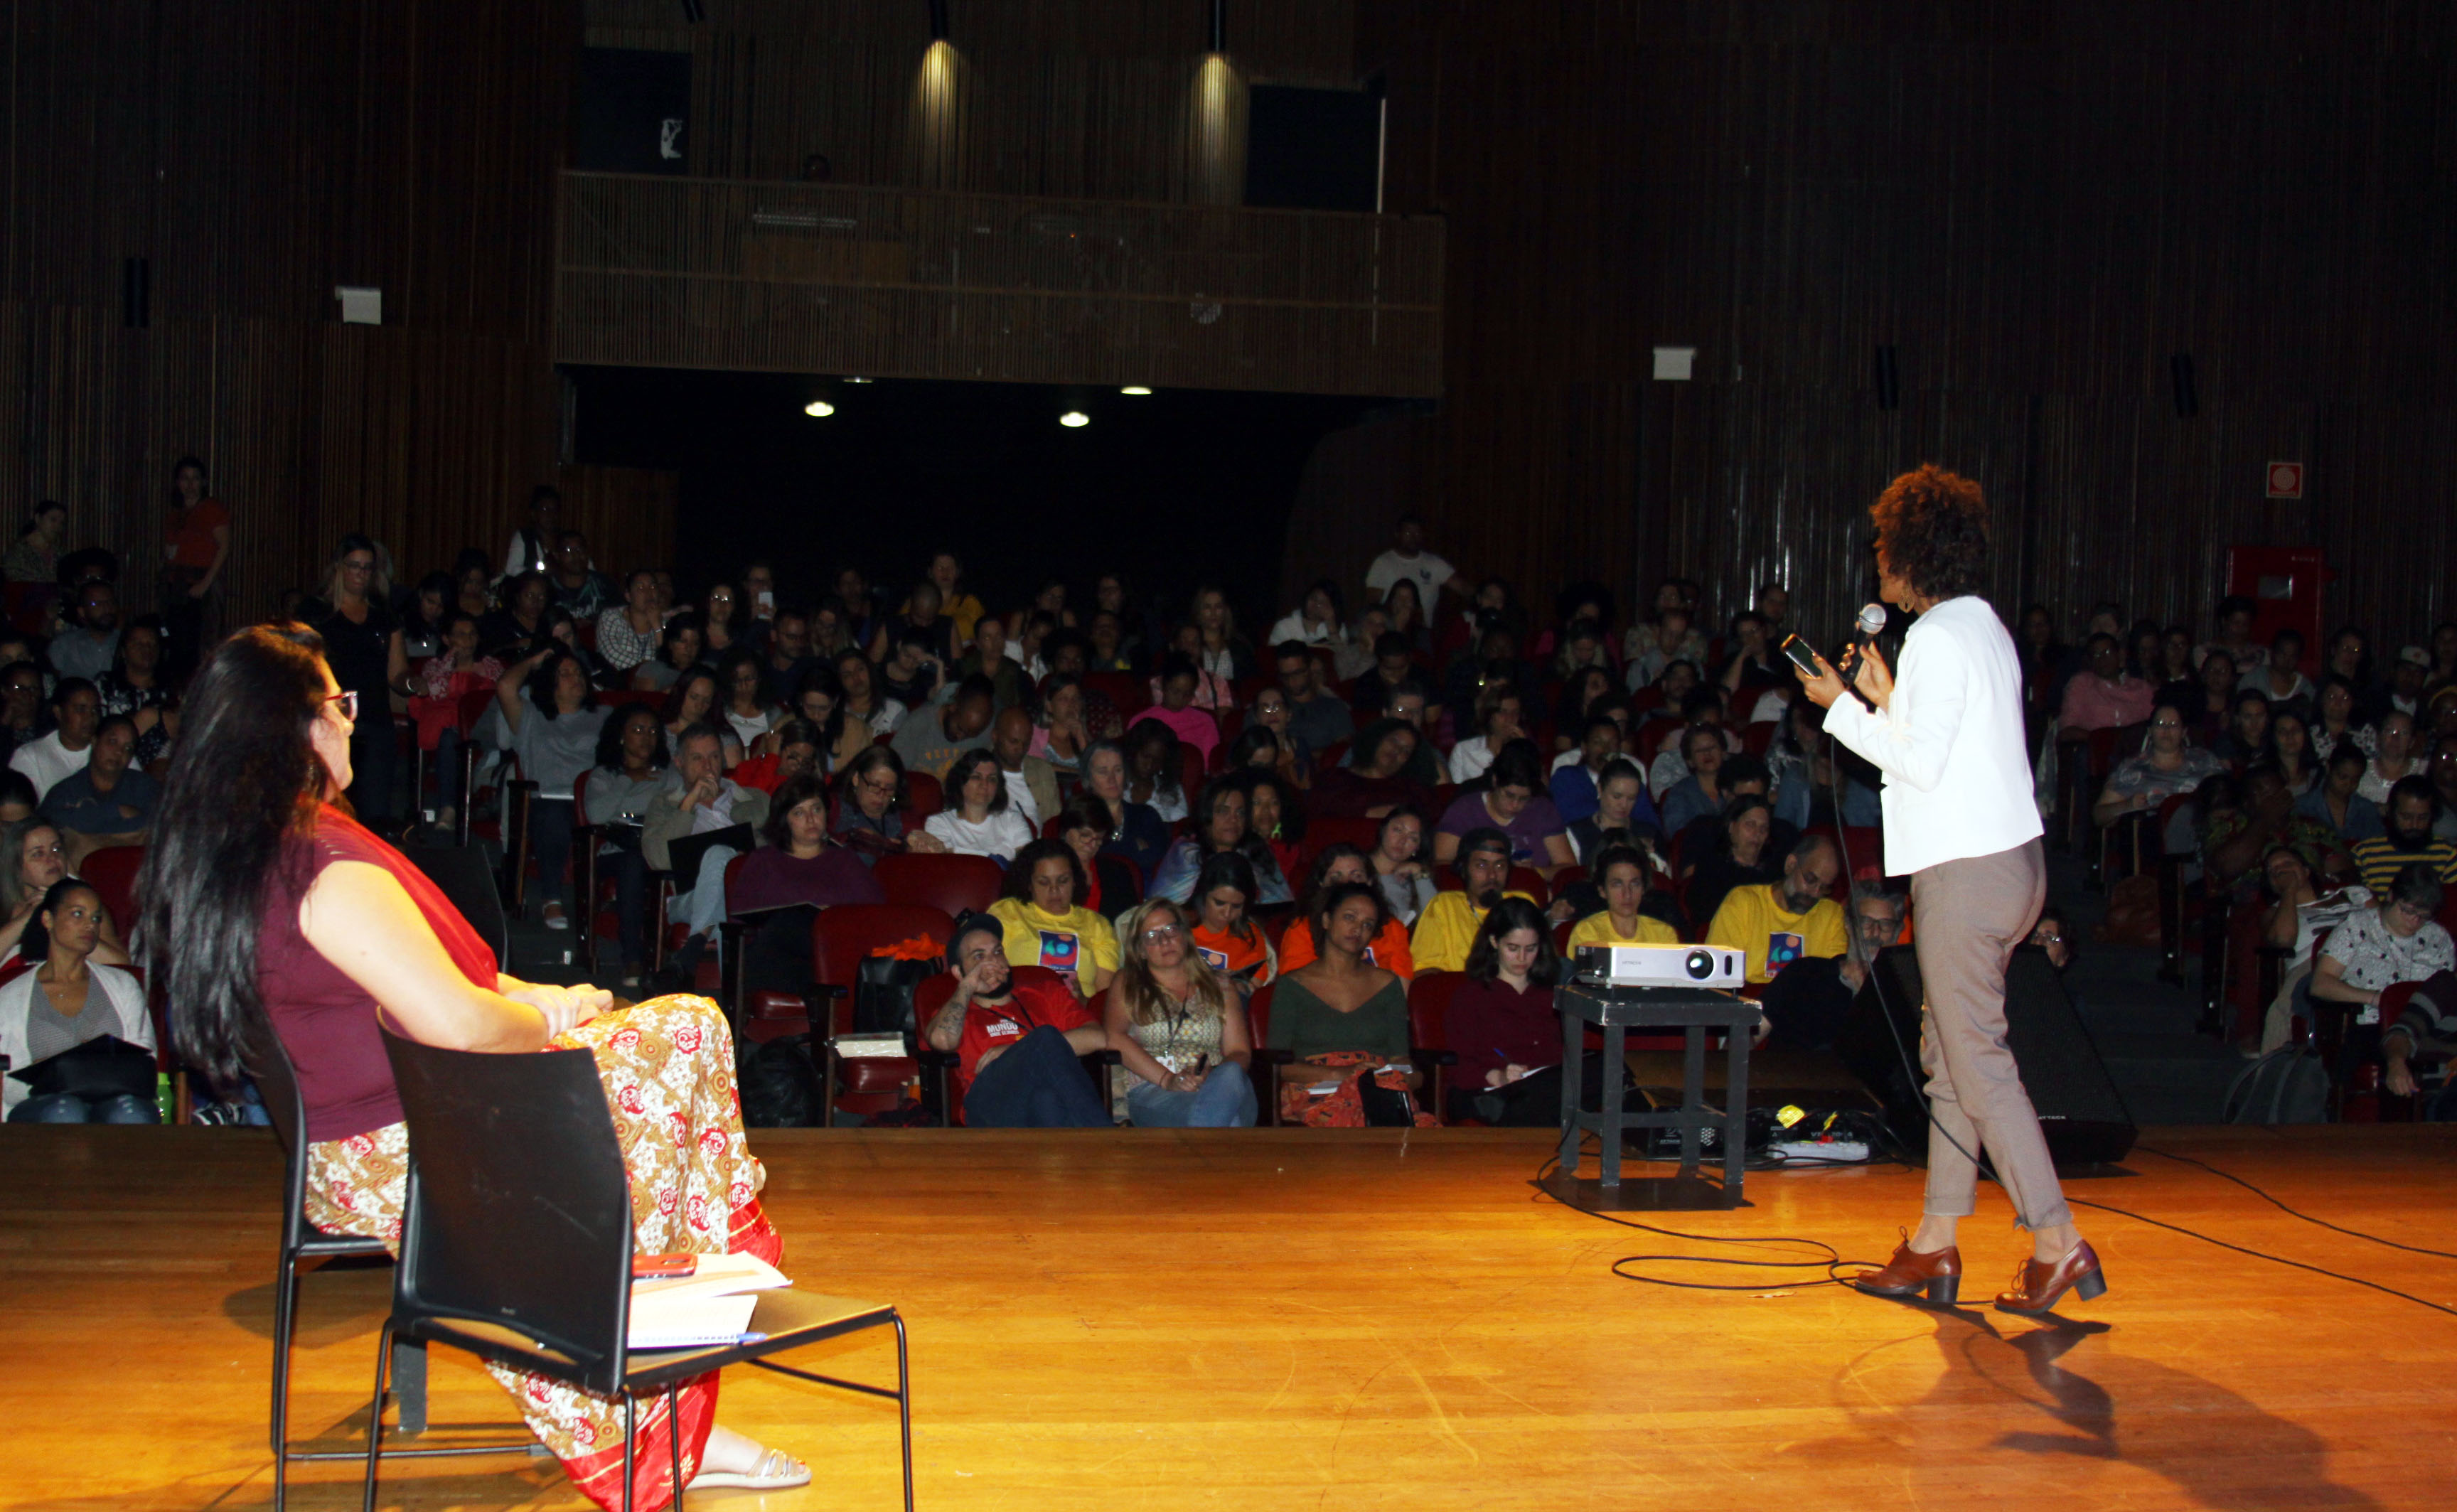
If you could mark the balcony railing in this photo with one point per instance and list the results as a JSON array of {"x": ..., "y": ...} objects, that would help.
[{"x": 896, "y": 282}]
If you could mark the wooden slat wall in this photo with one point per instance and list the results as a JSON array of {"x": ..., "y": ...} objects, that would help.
[
  {"x": 2036, "y": 205},
  {"x": 1083, "y": 98},
  {"x": 798, "y": 277},
  {"x": 258, "y": 155}
]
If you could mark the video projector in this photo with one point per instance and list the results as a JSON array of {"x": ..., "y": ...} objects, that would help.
[{"x": 1663, "y": 965}]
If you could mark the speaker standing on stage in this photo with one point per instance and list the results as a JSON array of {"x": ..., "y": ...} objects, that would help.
[{"x": 1960, "y": 821}]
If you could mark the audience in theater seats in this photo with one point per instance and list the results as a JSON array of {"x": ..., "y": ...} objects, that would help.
[
  {"x": 2337, "y": 802},
  {"x": 1621, "y": 807},
  {"x": 1316, "y": 622},
  {"x": 1337, "y": 863},
  {"x": 785, "y": 752},
  {"x": 1512, "y": 803},
  {"x": 914, "y": 670},
  {"x": 1062, "y": 727},
  {"x": 791, "y": 651},
  {"x": 704, "y": 801},
  {"x": 1573, "y": 784},
  {"x": 2246, "y": 736},
  {"x": 1499, "y": 721},
  {"x": 363, "y": 646},
  {"x": 2408, "y": 839},
  {"x": 932, "y": 738},
  {"x": 86, "y": 648},
  {"x": 2167, "y": 765},
  {"x": 1343, "y": 1021},
  {"x": 1503, "y": 1026},
  {"x": 2104, "y": 696},
  {"x": 2376, "y": 949},
  {"x": 1154, "y": 773},
  {"x": 797, "y": 871},
  {"x": 1047, "y": 925},
  {"x": 1225, "y": 823},
  {"x": 16, "y": 797},
  {"x": 1447, "y": 927},
  {"x": 1222, "y": 652},
  {"x": 627, "y": 633},
  {"x": 1394, "y": 668},
  {"x": 979, "y": 819},
  {"x": 2408, "y": 672},
  {"x": 2338, "y": 707},
  {"x": 1111, "y": 883},
  {"x": 1622, "y": 872},
  {"x": 77, "y": 710},
  {"x": 2235, "y": 842},
  {"x": 860, "y": 697},
  {"x": 1178, "y": 1025},
  {"x": 1136, "y": 832},
  {"x": 987, "y": 657},
  {"x": 1031, "y": 780},
  {"x": 1776, "y": 924},
  {"x": 35, "y": 557},
  {"x": 1377, "y": 782},
  {"x": 109, "y": 802},
  {"x": 747, "y": 713},
  {"x": 67, "y": 999},
  {"x": 1806, "y": 1004},
  {"x": 2395, "y": 757},
  {"x": 1700, "y": 708},
  {"x": 1224, "y": 935},
  {"x": 578, "y": 588},
  {"x": 1745, "y": 852},
  {"x": 720, "y": 618},
  {"x": 1650, "y": 650},
  {"x": 870, "y": 809},
  {"x": 25, "y": 716},
  {"x": 1318, "y": 719},
  {"x": 552, "y": 713},
  {"x": 1703, "y": 790},
  {"x": 1176, "y": 710},
  {"x": 632, "y": 773},
  {"x": 1016, "y": 1031},
  {"x": 34, "y": 860},
  {"x": 1408, "y": 561},
  {"x": 1276, "y": 818},
  {"x": 2279, "y": 676}
]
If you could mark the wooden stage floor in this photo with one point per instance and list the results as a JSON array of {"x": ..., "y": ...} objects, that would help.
[{"x": 1306, "y": 1319}]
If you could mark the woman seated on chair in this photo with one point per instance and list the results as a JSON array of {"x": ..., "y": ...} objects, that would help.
[
  {"x": 1502, "y": 1021},
  {"x": 1227, "y": 815},
  {"x": 1178, "y": 1025},
  {"x": 554, "y": 719},
  {"x": 870, "y": 809},
  {"x": 1111, "y": 883},
  {"x": 65, "y": 1002},
  {"x": 979, "y": 819},
  {"x": 1337, "y": 863},
  {"x": 1622, "y": 872},
  {"x": 1045, "y": 927},
  {"x": 268, "y": 906},
  {"x": 631, "y": 775},
  {"x": 694, "y": 700},
  {"x": 2168, "y": 764},
  {"x": 1345, "y": 1023},
  {"x": 1741, "y": 857},
  {"x": 784, "y": 881},
  {"x": 1226, "y": 940},
  {"x": 1376, "y": 781},
  {"x": 34, "y": 860}
]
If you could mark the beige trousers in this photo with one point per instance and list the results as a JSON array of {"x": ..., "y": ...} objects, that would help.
[{"x": 1967, "y": 916}]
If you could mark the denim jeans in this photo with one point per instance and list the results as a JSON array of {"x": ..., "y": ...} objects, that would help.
[
  {"x": 1037, "y": 1083},
  {"x": 550, "y": 821},
  {"x": 1226, "y": 1100},
  {"x": 702, "y": 904},
  {"x": 67, "y": 1107}
]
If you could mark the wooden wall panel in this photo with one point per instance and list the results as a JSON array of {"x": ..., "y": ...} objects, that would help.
[{"x": 2037, "y": 206}]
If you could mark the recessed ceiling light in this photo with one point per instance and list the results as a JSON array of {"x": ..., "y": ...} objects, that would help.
[
  {"x": 857, "y": 380},
  {"x": 1074, "y": 420},
  {"x": 1136, "y": 389},
  {"x": 818, "y": 409}
]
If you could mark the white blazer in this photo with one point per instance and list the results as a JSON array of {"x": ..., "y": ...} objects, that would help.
[
  {"x": 1950, "y": 741},
  {"x": 118, "y": 985}
]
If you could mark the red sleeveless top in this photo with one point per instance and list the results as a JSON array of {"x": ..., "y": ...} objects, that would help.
[{"x": 326, "y": 1021}]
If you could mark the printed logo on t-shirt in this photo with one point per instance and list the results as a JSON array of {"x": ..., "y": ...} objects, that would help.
[
  {"x": 1004, "y": 1029},
  {"x": 1782, "y": 948},
  {"x": 1059, "y": 949},
  {"x": 1219, "y": 959},
  {"x": 1369, "y": 957}
]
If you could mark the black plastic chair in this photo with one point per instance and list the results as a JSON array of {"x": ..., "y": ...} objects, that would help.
[
  {"x": 516, "y": 1245},
  {"x": 303, "y": 1244}
]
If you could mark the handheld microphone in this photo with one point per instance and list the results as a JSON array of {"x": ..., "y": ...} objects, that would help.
[{"x": 1870, "y": 623}]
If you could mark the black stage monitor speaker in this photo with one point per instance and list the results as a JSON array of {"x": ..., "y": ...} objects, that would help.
[
  {"x": 631, "y": 107},
  {"x": 2080, "y": 1110},
  {"x": 464, "y": 876},
  {"x": 1312, "y": 149}
]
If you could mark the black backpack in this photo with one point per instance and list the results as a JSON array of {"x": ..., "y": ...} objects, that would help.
[{"x": 2287, "y": 1085}]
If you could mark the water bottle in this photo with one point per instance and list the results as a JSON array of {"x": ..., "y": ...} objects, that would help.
[{"x": 165, "y": 1105}]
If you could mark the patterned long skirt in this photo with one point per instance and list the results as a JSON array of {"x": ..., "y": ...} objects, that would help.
[{"x": 668, "y": 1068}]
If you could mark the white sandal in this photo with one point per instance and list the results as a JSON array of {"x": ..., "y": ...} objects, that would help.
[{"x": 776, "y": 1471}]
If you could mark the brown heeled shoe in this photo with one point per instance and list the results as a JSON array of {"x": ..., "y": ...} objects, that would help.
[
  {"x": 1938, "y": 1273},
  {"x": 2038, "y": 1285}
]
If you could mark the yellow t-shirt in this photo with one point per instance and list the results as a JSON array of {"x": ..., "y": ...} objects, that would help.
[
  {"x": 1753, "y": 920},
  {"x": 1597, "y": 929},
  {"x": 1064, "y": 943},
  {"x": 1446, "y": 930}
]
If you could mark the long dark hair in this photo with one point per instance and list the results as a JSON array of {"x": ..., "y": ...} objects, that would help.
[
  {"x": 542, "y": 679},
  {"x": 243, "y": 782},
  {"x": 34, "y": 942},
  {"x": 1018, "y": 883},
  {"x": 1484, "y": 957},
  {"x": 610, "y": 739}
]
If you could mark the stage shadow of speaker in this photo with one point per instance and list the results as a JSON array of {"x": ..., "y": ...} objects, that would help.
[{"x": 2064, "y": 1397}]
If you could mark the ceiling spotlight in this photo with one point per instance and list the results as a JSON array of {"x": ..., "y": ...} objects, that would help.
[
  {"x": 857, "y": 380},
  {"x": 1136, "y": 389},
  {"x": 818, "y": 409},
  {"x": 1074, "y": 420}
]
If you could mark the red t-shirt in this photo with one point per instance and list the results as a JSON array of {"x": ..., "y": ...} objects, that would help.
[
  {"x": 326, "y": 1021},
  {"x": 192, "y": 534},
  {"x": 1035, "y": 998}
]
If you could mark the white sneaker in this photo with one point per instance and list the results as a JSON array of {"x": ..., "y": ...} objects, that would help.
[{"x": 557, "y": 922}]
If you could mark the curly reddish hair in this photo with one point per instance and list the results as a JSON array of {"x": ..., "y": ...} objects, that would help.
[{"x": 1935, "y": 527}]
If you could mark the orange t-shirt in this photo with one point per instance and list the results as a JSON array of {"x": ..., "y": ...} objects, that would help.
[
  {"x": 192, "y": 534},
  {"x": 1389, "y": 949},
  {"x": 1229, "y": 954}
]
